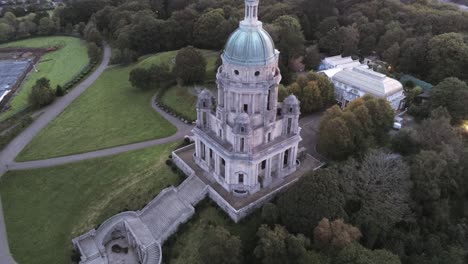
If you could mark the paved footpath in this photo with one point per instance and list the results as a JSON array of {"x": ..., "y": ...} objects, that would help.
[
  {"x": 8, "y": 155},
  {"x": 182, "y": 130}
]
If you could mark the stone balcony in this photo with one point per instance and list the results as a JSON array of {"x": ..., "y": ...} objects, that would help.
[{"x": 239, "y": 207}]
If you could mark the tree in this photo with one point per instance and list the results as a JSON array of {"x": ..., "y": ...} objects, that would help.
[
  {"x": 140, "y": 78},
  {"x": 160, "y": 73},
  {"x": 317, "y": 195},
  {"x": 59, "y": 91},
  {"x": 312, "y": 58},
  {"x": 270, "y": 214},
  {"x": 190, "y": 65},
  {"x": 290, "y": 38},
  {"x": 334, "y": 139},
  {"x": 447, "y": 56},
  {"x": 220, "y": 247},
  {"x": 436, "y": 131},
  {"x": 392, "y": 55},
  {"x": 452, "y": 94},
  {"x": 379, "y": 189},
  {"x": 405, "y": 142},
  {"x": 212, "y": 29},
  {"x": 313, "y": 90},
  {"x": 311, "y": 99},
  {"x": 94, "y": 52},
  {"x": 358, "y": 254},
  {"x": 350, "y": 40},
  {"x": 343, "y": 40},
  {"x": 6, "y": 32},
  {"x": 336, "y": 234},
  {"x": 282, "y": 93},
  {"x": 146, "y": 34},
  {"x": 46, "y": 26},
  {"x": 278, "y": 246},
  {"x": 41, "y": 94}
]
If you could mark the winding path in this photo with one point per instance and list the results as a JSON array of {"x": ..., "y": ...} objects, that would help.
[
  {"x": 8, "y": 155},
  {"x": 182, "y": 130}
]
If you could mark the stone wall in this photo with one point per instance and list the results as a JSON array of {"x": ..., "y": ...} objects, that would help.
[{"x": 237, "y": 215}]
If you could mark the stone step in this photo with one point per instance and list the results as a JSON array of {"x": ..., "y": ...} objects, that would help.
[
  {"x": 162, "y": 216},
  {"x": 191, "y": 190}
]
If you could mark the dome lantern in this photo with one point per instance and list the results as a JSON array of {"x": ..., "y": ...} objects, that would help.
[{"x": 250, "y": 44}]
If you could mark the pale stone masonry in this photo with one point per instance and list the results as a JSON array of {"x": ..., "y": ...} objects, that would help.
[
  {"x": 245, "y": 152},
  {"x": 248, "y": 140}
]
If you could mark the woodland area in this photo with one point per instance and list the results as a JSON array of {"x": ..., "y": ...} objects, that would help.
[{"x": 382, "y": 199}]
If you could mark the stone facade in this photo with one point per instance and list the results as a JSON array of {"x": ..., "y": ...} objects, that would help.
[{"x": 247, "y": 140}]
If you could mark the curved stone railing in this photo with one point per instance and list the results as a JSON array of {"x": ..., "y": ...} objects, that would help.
[
  {"x": 153, "y": 254},
  {"x": 106, "y": 227}
]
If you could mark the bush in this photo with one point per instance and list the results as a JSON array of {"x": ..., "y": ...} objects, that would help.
[
  {"x": 41, "y": 94},
  {"x": 59, "y": 91},
  {"x": 94, "y": 52}
]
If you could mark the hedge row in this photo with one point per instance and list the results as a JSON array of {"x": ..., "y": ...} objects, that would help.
[
  {"x": 79, "y": 77},
  {"x": 168, "y": 109}
]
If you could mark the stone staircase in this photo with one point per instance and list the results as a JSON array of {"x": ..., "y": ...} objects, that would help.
[
  {"x": 151, "y": 226},
  {"x": 153, "y": 254},
  {"x": 162, "y": 216},
  {"x": 192, "y": 190}
]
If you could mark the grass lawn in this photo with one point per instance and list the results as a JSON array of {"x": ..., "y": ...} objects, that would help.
[
  {"x": 182, "y": 248},
  {"x": 183, "y": 99},
  {"x": 46, "y": 208},
  {"x": 110, "y": 113},
  {"x": 60, "y": 66}
]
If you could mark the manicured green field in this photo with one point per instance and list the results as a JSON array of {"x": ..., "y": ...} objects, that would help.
[
  {"x": 182, "y": 248},
  {"x": 183, "y": 99},
  {"x": 45, "y": 208},
  {"x": 59, "y": 66},
  {"x": 110, "y": 113}
]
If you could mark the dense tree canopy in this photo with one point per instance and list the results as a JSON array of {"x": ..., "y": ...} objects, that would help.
[
  {"x": 190, "y": 65},
  {"x": 452, "y": 94},
  {"x": 220, "y": 247},
  {"x": 364, "y": 122}
]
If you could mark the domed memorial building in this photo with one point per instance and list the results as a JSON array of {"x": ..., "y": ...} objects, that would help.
[
  {"x": 247, "y": 140},
  {"x": 245, "y": 152}
]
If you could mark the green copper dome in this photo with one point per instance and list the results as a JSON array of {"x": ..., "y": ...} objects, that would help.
[{"x": 250, "y": 46}]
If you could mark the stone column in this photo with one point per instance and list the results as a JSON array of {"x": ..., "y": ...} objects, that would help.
[
  {"x": 217, "y": 163},
  {"x": 197, "y": 148},
  {"x": 207, "y": 156},
  {"x": 251, "y": 109},
  {"x": 291, "y": 157},
  {"x": 280, "y": 164},
  {"x": 268, "y": 168}
]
